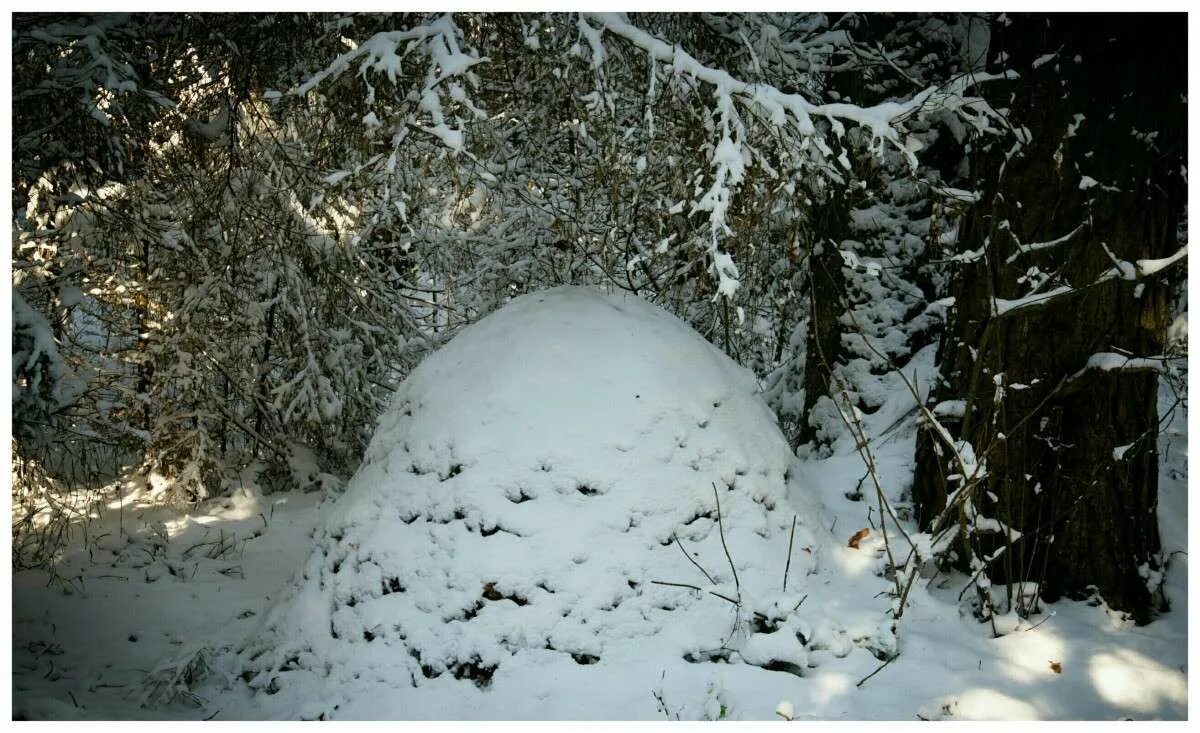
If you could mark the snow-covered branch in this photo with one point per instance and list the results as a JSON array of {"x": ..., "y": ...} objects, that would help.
[
  {"x": 1121, "y": 270},
  {"x": 1004, "y": 306},
  {"x": 1037, "y": 246},
  {"x": 779, "y": 106},
  {"x": 1108, "y": 361},
  {"x": 381, "y": 54},
  {"x": 1142, "y": 268}
]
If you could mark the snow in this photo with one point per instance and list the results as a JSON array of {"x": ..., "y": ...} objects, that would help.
[
  {"x": 1001, "y": 306},
  {"x": 138, "y": 585},
  {"x": 1119, "y": 452},
  {"x": 951, "y": 408},
  {"x": 1044, "y": 58},
  {"x": 382, "y": 53},
  {"x": 779, "y": 106},
  {"x": 34, "y": 344},
  {"x": 1035, "y": 246},
  {"x": 959, "y": 194},
  {"x": 578, "y": 430},
  {"x": 593, "y": 38},
  {"x": 478, "y": 533},
  {"x": 1145, "y": 268},
  {"x": 1107, "y": 361},
  {"x": 1121, "y": 269},
  {"x": 215, "y": 128},
  {"x": 786, "y": 710}
]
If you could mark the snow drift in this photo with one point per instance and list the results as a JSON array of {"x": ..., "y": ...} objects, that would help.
[{"x": 528, "y": 484}]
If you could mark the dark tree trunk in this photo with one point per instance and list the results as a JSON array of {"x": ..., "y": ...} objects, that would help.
[
  {"x": 827, "y": 292},
  {"x": 145, "y": 366},
  {"x": 1048, "y": 427}
]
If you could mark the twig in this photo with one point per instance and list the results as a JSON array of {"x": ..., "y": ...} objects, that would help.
[
  {"x": 658, "y": 695},
  {"x": 800, "y": 603},
  {"x": 858, "y": 486},
  {"x": 877, "y": 670},
  {"x": 721, "y": 527},
  {"x": 788, "y": 566},
  {"x": 1039, "y": 623},
  {"x": 912, "y": 578},
  {"x": 698, "y": 588},
  {"x": 691, "y": 559}
]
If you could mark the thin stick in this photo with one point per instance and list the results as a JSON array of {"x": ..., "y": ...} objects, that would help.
[
  {"x": 912, "y": 578},
  {"x": 691, "y": 559},
  {"x": 788, "y": 566},
  {"x": 877, "y": 670},
  {"x": 1039, "y": 623},
  {"x": 696, "y": 587},
  {"x": 800, "y": 603},
  {"x": 721, "y": 527}
]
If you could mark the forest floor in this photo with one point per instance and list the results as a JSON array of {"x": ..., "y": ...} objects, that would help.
[
  {"x": 84, "y": 643},
  {"x": 143, "y": 597}
]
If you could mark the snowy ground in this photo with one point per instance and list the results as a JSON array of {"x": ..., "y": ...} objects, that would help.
[{"x": 143, "y": 590}]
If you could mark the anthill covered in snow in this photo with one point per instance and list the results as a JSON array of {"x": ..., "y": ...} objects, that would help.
[{"x": 530, "y": 482}]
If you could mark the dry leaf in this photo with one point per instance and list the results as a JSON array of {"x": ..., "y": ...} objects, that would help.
[
  {"x": 490, "y": 592},
  {"x": 858, "y": 537},
  {"x": 1057, "y": 667}
]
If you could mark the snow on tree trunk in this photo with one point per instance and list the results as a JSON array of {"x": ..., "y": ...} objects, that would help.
[{"x": 1092, "y": 185}]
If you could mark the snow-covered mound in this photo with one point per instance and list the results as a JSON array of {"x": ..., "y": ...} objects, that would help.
[{"x": 516, "y": 504}]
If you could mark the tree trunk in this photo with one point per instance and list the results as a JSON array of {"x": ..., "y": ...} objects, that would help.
[
  {"x": 826, "y": 289},
  {"x": 1055, "y": 434}
]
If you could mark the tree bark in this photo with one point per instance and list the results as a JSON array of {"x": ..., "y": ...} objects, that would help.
[
  {"x": 1054, "y": 433},
  {"x": 826, "y": 289}
]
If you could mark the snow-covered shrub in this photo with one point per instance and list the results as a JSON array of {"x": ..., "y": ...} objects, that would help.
[
  {"x": 174, "y": 680},
  {"x": 36, "y": 366},
  {"x": 258, "y": 282}
]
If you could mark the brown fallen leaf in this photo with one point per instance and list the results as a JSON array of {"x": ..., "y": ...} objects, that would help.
[
  {"x": 490, "y": 592},
  {"x": 1057, "y": 667},
  {"x": 858, "y": 537}
]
